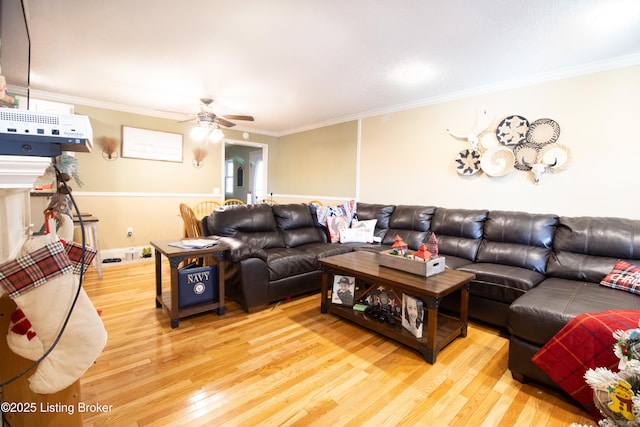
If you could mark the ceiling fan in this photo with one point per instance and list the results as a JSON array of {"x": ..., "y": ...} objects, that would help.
[{"x": 207, "y": 118}]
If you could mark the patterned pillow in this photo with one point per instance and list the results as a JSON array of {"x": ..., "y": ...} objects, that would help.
[
  {"x": 347, "y": 209},
  {"x": 624, "y": 276},
  {"x": 334, "y": 225}
]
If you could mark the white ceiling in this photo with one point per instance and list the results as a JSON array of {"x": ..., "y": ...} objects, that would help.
[{"x": 299, "y": 64}]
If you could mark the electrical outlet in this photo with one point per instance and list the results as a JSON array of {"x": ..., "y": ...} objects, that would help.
[{"x": 129, "y": 231}]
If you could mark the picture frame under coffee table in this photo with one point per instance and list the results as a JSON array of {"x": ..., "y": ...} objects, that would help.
[{"x": 439, "y": 329}]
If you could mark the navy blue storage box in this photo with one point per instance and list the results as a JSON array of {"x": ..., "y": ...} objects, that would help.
[{"x": 197, "y": 285}]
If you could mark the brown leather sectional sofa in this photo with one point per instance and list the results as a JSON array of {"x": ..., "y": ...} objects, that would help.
[{"x": 534, "y": 272}]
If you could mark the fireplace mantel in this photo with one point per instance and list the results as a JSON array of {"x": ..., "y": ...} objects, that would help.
[
  {"x": 21, "y": 171},
  {"x": 17, "y": 175}
]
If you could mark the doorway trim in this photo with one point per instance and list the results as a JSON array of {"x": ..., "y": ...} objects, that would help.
[{"x": 265, "y": 156}]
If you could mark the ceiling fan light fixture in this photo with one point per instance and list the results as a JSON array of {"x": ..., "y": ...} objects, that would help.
[
  {"x": 208, "y": 123},
  {"x": 216, "y": 135},
  {"x": 198, "y": 133}
]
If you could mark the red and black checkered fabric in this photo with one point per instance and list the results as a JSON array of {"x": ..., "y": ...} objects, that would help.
[
  {"x": 74, "y": 251},
  {"x": 27, "y": 272}
]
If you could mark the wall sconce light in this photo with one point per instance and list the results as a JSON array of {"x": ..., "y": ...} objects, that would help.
[
  {"x": 109, "y": 147},
  {"x": 199, "y": 153}
]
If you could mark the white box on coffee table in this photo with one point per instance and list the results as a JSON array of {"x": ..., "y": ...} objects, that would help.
[{"x": 426, "y": 269}]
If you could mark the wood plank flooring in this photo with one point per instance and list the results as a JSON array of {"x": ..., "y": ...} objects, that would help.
[{"x": 290, "y": 365}]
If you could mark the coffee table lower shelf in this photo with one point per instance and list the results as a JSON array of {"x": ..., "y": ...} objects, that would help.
[{"x": 449, "y": 328}]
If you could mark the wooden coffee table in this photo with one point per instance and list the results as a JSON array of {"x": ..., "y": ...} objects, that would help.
[{"x": 439, "y": 329}]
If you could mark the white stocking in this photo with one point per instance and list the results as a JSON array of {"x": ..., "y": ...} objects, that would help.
[{"x": 43, "y": 286}]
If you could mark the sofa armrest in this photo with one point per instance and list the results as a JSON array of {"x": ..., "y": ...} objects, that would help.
[
  {"x": 254, "y": 284},
  {"x": 240, "y": 250}
]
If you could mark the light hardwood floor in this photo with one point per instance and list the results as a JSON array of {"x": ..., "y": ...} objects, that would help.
[{"x": 291, "y": 365}]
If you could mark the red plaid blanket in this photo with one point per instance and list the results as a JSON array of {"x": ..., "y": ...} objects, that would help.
[{"x": 584, "y": 343}]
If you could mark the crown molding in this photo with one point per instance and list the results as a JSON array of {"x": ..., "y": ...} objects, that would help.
[
  {"x": 585, "y": 69},
  {"x": 588, "y": 68}
]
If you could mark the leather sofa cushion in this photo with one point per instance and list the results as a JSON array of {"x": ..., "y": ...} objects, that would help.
[
  {"x": 263, "y": 239},
  {"x": 297, "y": 225},
  {"x": 518, "y": 238},
  {"x": 240, "y": 250},
  {"x": 322, "y": 250},
  {"x": 528, "y": 257},
  {"x": 587, "y": 248},
  {"x": 540, "y": 313},
  {"x": 381, "y": 213},
  {"x": 502, "y": 283},
  {"x": 601, "y": 236},
  {"x": 521, "y": 227},
  {"x": 573, "y": 266},
  {"x": 302, "y": 236},
  {"x": 292, "y": 216},
  {"x": 286, "y": 262},
  {"x": 455, "y": 262},
  {"x": 412, "y": 223},
  {"x": 251, "y": 223},
  {"x": 459, "y": 231}
]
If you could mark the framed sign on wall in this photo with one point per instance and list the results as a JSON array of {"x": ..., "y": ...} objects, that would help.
[{"x": 151, "y": 144}]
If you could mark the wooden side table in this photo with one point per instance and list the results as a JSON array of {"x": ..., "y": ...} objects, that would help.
[{"x": 170, "y": 300}]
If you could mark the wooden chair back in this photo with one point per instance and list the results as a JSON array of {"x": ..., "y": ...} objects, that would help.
[
  {"x": 205, "y": 208},
  {"x": 191, "y": 224}
]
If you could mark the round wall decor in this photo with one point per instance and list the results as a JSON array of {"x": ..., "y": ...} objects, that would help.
[
  {"x": 543, "y": 131},
  {"x": 512, "y": 130},
  {"x": 468, "y": 162},
  {"x": 497, "y": 161},
  {"x": 525, "y": 153}
]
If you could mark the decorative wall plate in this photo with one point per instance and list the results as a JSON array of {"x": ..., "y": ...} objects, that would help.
[
  {"x": 468, "y": 162},
  {"x": 526, "y": 151},
  {"x": 512, "y": 130},
  {"x": 489, "y": 140},
  {"x": 497, "y": 161},
  {"x": 556, "y": 153},
  {"x": 543, "y": 131}
]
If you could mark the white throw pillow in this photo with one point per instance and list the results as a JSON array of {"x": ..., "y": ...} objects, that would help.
[
  {"x": 368, "y": 225},
  {"x": 353, "y": 235}
]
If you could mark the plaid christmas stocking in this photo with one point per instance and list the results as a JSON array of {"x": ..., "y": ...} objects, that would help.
[
  {"x": 22, "y": 338},
  {"x": 42, "y": 283}
]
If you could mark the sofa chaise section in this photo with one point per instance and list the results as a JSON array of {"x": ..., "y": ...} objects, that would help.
[{"x": 585, "y": 249}]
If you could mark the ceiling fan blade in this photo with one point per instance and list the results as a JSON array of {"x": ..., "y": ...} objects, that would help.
[
  {"x": 236, "y": 117},
  {"x": 223, "y": 122},
  {"x": 192, "y": 119}
]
